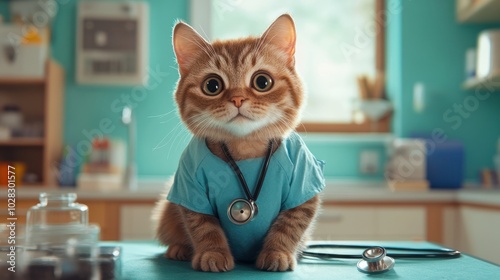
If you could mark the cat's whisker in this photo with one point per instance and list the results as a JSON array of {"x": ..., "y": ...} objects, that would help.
[
  {"x": 173, "y": 139},
  {"x": 164, "y": 141},
  {"x": 163, "y": 115},
  {"x": 209, "y": 45},
  {"x": 177, "y": 140},
  {"x": 261, "y": 42},
  {"x": 282, "y": 125},
  {"x": 304, "y": 128},
  {"x": 201, "y": 124},
  {"x": 258, "y": 46},
  {"x": 201, "y": 127},
  {"x": 201, "y": 46},
  {"x": 265, "y": 41}
]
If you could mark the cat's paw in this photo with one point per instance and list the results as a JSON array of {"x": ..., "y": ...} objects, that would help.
[
  {"x": 213, "y": 261},
  {"x": 272, "y": 260},
  {"x": 179, "y": 252}
]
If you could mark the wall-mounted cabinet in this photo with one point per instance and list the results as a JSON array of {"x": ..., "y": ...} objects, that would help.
[{"x": 40, "y": 101}]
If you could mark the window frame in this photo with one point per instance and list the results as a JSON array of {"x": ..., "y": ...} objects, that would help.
[{"x": 199, "y": 18}]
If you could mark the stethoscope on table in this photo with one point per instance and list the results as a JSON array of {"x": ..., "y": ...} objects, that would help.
[
  {"x": 377, "y": 259},
  {"x": 374, "y": 259}
]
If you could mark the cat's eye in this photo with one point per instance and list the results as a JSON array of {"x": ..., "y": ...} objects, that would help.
[
  {"x": 262, "y": 81},
  {"x": 212, "y": 85}
]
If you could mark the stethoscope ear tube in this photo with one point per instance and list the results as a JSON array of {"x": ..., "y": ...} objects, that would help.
[{"x": 411, "y": 253}]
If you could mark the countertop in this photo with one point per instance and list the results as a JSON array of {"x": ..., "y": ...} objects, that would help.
[
  {"x": 333, "y": 192},
  {"x": 144, "y": 260}
]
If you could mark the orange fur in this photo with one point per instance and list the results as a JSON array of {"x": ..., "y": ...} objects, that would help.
[{"x": 263, "y": 116}]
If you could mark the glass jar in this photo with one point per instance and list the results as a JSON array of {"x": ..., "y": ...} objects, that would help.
[
  {"x": 59, "y": 239},
  {"x": 57, "y": 210}
]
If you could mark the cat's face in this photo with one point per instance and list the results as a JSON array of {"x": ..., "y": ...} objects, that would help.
[{"x": 238, "y": 88}]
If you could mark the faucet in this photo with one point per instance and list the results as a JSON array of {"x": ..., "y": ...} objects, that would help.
[{"x": 130, "y": 170}]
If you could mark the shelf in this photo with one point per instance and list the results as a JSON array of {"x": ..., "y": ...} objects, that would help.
[
  {"x": 43, "y": 99},
  {"x": 22, "y": 142},
  {"x": 21, "y": 81},
  {"x": 487, "y": 83},
  {"x": 478, "y": 11}
]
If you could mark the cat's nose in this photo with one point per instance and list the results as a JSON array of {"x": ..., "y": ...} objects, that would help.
[{"x": 238, "y": 100}]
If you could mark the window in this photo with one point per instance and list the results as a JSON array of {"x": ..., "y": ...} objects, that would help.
[{"x": 336, "y": 42}]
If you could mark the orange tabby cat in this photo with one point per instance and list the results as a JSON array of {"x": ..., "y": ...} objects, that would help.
[{"x": 246, "y": 95}]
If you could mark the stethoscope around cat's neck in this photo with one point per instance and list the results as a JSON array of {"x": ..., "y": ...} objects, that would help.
[{"x": 241, "y": 210}]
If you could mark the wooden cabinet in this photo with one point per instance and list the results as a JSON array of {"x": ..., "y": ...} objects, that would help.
[{"x": 40, "y": 100}]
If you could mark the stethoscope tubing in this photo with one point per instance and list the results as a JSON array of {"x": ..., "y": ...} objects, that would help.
[{"x": 418, "y": 253}]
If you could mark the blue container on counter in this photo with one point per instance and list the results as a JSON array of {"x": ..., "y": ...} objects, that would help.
[{"x": 445, "y": 163}]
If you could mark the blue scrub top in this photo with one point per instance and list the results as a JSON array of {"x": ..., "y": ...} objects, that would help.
[{"x": 206, "y": 184}]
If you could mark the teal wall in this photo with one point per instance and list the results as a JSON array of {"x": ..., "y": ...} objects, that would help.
[
  {"x": 426, "y": 44},
  {"x": 342, "y": 158}
]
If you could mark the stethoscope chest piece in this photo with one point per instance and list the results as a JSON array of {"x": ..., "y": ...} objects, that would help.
[
  {"x": 242, "y": 211},
  {"x": 375, "y": 260}
]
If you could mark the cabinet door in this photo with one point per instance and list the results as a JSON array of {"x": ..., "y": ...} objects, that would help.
[
  {"x": 371, "y": 223},
  {"x": 135, "y": 222},
  {"x": 401, "y": 223},
  {"x": 102, "y": 213},
  {"x": 345, "y": 223},
  {"x": 479, "y": 232}
]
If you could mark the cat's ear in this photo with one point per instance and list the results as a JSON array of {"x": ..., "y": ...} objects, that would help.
[
  {"x": 188, "y": 44},
  {"x": 281, "y": 34}
]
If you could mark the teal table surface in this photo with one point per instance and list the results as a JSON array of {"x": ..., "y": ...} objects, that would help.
[{"x": 144, "y": 260}]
